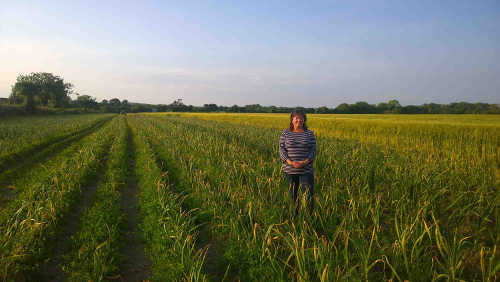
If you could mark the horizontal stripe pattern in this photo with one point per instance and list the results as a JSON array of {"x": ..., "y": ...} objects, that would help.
[{"x": 297, "y": 146}]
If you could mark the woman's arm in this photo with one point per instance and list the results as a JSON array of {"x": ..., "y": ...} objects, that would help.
[
  {"x": 312, "y": 151},
  {"x": 283, "y": 151}
]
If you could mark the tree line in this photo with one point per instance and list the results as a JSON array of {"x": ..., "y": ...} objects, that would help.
[{"x": 48, "y": 90}]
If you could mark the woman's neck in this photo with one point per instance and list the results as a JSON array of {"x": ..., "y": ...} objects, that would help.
[{"x": 298, "y": 130}]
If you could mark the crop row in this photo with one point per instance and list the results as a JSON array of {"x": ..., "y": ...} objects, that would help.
[
  {"x": 380, "y": 214},
  {"x": 29, "y": 222},
  {"x": 19, "y": 166},
  {"x": 96, "y": 246},
  {"x": 169, "y": 230},
  {"x": 20, "y": 136}
]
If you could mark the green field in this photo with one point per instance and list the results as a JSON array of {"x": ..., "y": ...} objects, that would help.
[{"x": 398, "y": 197}]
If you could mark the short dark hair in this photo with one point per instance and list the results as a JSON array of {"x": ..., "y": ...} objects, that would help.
[{"x": 297, "y": 113}]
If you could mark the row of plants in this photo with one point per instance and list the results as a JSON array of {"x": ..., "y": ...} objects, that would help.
[
  {"x": 20, "y": 137},
  {"x": 380, "y": 213},
  {"x": 18, "y": 170},
  {"x": 29, "y": 222},
  {"x": 169, "y": 230},
  {"x": 95, "y": 250}
]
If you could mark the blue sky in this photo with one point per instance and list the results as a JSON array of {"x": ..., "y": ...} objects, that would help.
[{"x": 285, "y": 53}]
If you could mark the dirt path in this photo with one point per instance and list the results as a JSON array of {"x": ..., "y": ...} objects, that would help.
[
  {"x": 214, "y": 266},
  {"x": 135, "y": 265}
]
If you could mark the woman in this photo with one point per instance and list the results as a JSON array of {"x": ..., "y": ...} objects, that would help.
[{"x": 297, "y": 152}]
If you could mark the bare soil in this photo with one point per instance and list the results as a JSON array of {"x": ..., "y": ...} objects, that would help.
[
  {"x": 214, "y": 265},
  {"x": 135, "y": 265}
]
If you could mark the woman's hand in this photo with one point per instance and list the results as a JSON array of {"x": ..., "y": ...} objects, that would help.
[
  {"x": 294, "y": 164},
  {"x": 304, "y": 163},
  {"x": 298, "y": 164}
]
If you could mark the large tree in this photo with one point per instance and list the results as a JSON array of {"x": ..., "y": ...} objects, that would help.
[
  {"x": 51, "y": 90},
  {"x": 27, "y": 91}
]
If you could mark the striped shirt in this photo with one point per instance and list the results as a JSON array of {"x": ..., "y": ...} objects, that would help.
[{"x": 297, "y": 146}]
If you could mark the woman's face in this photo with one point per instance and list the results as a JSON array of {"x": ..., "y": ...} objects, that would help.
[{"x": 298, "y": 122}]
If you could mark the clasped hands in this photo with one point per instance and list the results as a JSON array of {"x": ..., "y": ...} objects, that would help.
[{"x": 298, "y": 164}]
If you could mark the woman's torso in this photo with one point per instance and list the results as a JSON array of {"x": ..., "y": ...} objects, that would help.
[{"x": 299, "y": 146}]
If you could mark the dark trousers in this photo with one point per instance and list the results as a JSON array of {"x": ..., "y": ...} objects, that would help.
[{"x": 306, "y": 181}]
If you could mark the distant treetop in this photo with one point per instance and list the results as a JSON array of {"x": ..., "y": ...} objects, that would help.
[{"x": 50, "y": 91}]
